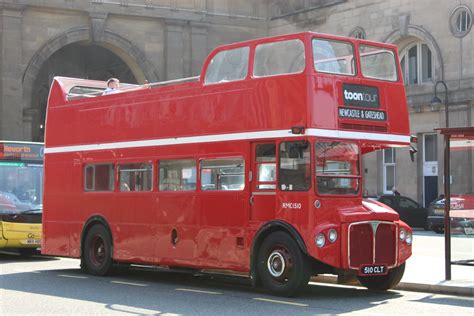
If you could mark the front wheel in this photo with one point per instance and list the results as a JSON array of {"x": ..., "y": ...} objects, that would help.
[
  {"x": 282, "y": 267},
  {"x": 383, "y": 282},
  {"x": 97, "y": 251}
]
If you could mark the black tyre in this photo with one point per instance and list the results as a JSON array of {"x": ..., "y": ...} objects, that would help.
[
  {"x": 28, "y": 252},
  {"x": 282, "y": 267},
  {"x": 438, "y": 229},
  {"x": 383, "y": 282},
  {"x": 97, "y": 251}
]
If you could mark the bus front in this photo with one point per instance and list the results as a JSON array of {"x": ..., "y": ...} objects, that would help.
[
  {"x": 21, "y": 193},
  {"x": 358, "y": 106}
]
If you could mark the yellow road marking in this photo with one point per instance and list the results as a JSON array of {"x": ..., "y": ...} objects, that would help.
[
  {"x": 72, "y": 276},
  {"x": 128, "y": 283},
  {"x": 280, "y": 302},
  {"x": 198, "y": 291}
]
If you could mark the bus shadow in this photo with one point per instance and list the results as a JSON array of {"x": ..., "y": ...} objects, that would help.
[
  {"x": 14, "y": 256},
  {"x": 161, "y": 293}
]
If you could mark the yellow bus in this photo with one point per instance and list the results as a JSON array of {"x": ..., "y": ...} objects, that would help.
[{"x": 21, "y": 195}]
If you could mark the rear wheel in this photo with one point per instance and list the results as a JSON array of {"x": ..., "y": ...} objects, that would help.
[
  {"x": 97, "y": 251},
  {"x": 438, "y": 229},
  {"x": 282, "y": 267},
  {"x": 383, "y": 282}
]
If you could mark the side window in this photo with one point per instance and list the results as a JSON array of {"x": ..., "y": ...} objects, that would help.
[
  {"x": 294, "y": 168},
  {"x": 333, "y": 57},
  {"x": 99, "y": 177},
  {"x": 286, "y": 57},
  {"x": 265, "y": 163},
  {"x": 177, "y": 175},
  {"x": 136, "y": 177},
  {"x": 388, "y": 201},
  {"x": 222, "y": 174},
  {"x": 89, "y": 178},
  {"x": 404, "y": 202},
  {"x": 229, "y": 65}
]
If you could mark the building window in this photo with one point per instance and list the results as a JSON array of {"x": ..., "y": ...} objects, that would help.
[
  {"x": 388, "y": 170},
  {"x": 417, "y": 64},
  {"x": 358, "y": 32},
  {"x": 431, "y": 147},
  {"x": 461, "y": 21}
]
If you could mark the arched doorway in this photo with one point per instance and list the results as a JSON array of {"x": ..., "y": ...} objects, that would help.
[{"x": 79, "y": 60}]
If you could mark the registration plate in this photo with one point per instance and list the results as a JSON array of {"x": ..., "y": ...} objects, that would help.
[
  {"x": 439, "y": 211},
  {"x": 469, "y": 230},
  {"x": 33, "y": 241},
  {"x": 379, "y": 269}
]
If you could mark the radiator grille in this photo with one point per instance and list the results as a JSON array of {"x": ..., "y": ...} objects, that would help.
[{"x": 365, "y": 248}]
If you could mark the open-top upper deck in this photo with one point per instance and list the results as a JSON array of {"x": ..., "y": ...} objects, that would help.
[{"x": 330, "y": 86}]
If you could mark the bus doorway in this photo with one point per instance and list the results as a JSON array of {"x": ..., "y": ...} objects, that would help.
[{"x": 263, "y": 185}]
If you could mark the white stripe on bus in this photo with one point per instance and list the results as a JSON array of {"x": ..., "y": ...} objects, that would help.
[{"x": 229, "y": 137}]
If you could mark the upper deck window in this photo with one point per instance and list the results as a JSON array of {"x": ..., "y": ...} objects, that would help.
[
  {"x": 377, "y": 63},
  {"x": 286, "y": 57},
  {"x": 333, "y": 57},
  {"x": 228, "y": 65}
]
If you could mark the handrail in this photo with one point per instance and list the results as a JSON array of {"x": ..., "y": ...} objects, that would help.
[{"x": 75, "y": 96}]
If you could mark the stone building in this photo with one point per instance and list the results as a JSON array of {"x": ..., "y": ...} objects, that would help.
[{"x": 154, "y": 40}]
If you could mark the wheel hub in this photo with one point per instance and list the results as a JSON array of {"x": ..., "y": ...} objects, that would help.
[
  {"x": 98, "y": 251},
  {"x": 276, "y": 264}
]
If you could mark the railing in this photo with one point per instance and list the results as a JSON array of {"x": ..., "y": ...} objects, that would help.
[{"x": 74, "y": 94}]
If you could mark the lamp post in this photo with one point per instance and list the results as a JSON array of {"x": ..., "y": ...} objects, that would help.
[
  {"x": 437, "y": 101},
  {"x": 447, "y": 194}
]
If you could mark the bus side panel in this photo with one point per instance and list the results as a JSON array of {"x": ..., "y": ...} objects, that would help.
[
  {"x": 60, "y": 204},
  {"x": 178, "y": 211},
  {"x": 224, "y": 218}
]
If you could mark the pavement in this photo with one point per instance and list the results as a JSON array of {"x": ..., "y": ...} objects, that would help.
[{"x": 425, "y": 270}]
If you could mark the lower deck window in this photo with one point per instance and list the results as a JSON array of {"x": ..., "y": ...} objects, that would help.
[
  {"x": 135, "y": 177},
  {"x": 222, "y": 174},
  {"x": 177, "y": 175},
  {"x": 294, "y": 168},
  {"x": 337, "y": 168},
  {"x": 99, "y": 177}
]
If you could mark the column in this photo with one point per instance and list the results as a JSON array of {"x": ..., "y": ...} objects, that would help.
[{"x": 11, "y": 104}]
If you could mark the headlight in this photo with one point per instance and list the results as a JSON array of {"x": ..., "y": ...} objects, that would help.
[
  {"x": 332, "y": 236},
  {"x": 403, "y": 234},
  {"x": 320, "y": 240},
  {"x": 408, "y": 239}
]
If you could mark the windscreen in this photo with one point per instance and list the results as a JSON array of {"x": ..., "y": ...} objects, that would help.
[
  {"x": 337, "y": 168},
  {"x": 378, "y": 63},
  {"x": 21, "y": 186}
]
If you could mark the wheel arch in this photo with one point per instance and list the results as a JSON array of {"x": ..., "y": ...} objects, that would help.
[
  {"x": 262, "y": 233},
  {"x": 96, "y": 219}
]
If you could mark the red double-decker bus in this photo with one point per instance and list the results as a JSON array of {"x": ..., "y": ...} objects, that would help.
[{"x": 254, "y": 166}]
